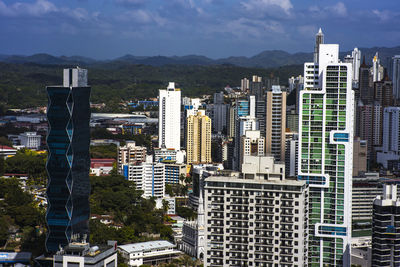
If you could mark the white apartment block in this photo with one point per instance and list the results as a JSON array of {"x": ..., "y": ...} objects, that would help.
[
  {"x": 252, "y": 144},
  {"x": 148, "y": 177},
  {"x": 257, "y": 218},
  {"x": 169, "y": 119}
]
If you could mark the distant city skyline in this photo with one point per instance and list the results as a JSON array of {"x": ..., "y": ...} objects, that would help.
[{"x": 105, "y": 29}]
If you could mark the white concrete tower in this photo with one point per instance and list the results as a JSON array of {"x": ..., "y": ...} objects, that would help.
[
  {"x": 169, "y": 119},
  {"x": 326, "y": 124}
]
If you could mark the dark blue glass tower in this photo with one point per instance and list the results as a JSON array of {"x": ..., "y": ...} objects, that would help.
[{"x": 68, "y": 162}]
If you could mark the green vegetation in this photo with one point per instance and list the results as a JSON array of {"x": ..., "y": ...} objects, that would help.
[
  {"x": 23, "y": 85},
  {"x": 140, "y": 139},
  {"x": 137, "y": 217},
  {"x": 28, "y": 162},
  {"x": 19, "y": 214},
  {"x": 104, "y": 151}
]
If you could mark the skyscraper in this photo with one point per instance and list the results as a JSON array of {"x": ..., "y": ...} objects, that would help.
[
  {"x": 396, "y": 77},
  {"x": 365, "y": 84},
  {"x": 275, "y": 126},
  {"x": 198, "y": 138},
  {"x": 169, "y": 117},
  {"x": 385, "y": 228},
  {"x": 68, "y": 163},
  {"x": 326, "y": 155}
]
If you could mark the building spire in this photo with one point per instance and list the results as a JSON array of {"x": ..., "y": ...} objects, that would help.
[{"x": 319, "y": 39}]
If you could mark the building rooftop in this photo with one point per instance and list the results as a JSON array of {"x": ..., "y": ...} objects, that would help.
[{"x": 146, "y": 246}]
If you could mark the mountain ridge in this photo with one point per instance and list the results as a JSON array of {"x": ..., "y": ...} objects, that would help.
[{"x": 264, "y": 59}]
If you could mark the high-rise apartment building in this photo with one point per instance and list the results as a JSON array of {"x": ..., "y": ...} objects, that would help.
[
  {"x": 396, "y": 77},
  {"x": 198, "y": 147},
  {"x": 326, "y": 155},
  {"x": 251, "y": 144},
  {"x": 219, "y": 114},
  {"x": 68, "y": 163},
  {"x": 148, "y": 177},
  {"x": 365, "y": 84},
  {"x": 275, "y": 126},
  {"x": 243, "y": 124},
  {"x": 257, "y": 217},
  {"x": 130, "y": 154},
  {"x": 389, "y": 157},
  {"x": 169, "y": 117},
  {"x": 360, "y": 152},
  {"x": 291, "y": 154},
  {"x": 385, "y": 228}
]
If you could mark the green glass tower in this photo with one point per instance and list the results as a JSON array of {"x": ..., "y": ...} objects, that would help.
[{"x": 326, "y": 154}]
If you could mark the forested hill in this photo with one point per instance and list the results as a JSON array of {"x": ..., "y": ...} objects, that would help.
[{"x": 22, "y": 85}]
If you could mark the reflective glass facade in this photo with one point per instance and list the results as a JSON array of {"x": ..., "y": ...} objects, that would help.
[{"x": 68, "y": 165}]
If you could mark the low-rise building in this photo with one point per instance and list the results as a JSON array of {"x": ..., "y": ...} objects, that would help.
[
  {"x": 30, "y": 140},
  {"x": 173, "y": 172},
  {"x": 81, "y": 254},
  {"x": 151, "y": 253},
  {"x": 99, "y": 167}
]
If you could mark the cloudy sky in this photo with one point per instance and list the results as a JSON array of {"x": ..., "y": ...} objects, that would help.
[{"x": 106, "y": 29}]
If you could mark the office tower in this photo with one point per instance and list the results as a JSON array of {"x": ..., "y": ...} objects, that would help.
[
  {"x": 231, "y": 124},
  {"x": 383, "y": 91},
  {"x": 251, "y": 144},
  {"x": 269, "y": 82},
  {"x": 326, "y": 155},
  {"x": 148, "y": 177},
  {"x": 390, "y": 155},
  {"x": 360, "y": 153},
  {"x": 377, "y": 130},
  {"x": 244, "y": 84},
  {"x": 169, "y": 115},
  {"x": 292, "y": 121},
  {"x": 365, "y": 124},
  {"x": 219, "y": 113},
  {"x": 256, "y": 86},
  {"x": 291, "y": 154},
  {"x": 68, "y": 163},
  {"x": 365, "y": 84},
  {"x": 275, "y": 127},
  {"x": 257, "y": 217},
  {"x": 319, "y": 39},
  {"x": 198, "y": 147},
  {"x": 130, "y": 154},
  {"x": 385, "y": 228},
  {"x": 396, "y": 77}
]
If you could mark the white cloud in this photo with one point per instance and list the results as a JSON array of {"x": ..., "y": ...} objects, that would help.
[
  {"x": 245, "y": 28},
  {"x": 339, "y": 9},
  {"x": 36, "y": 9},
  {"x": 143, "y": 17},
  {"x": 265, "y": 5},
  {"x": 130, "y": 2}
]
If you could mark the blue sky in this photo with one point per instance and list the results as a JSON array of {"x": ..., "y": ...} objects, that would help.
[{"x": 106, "y": 29}]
